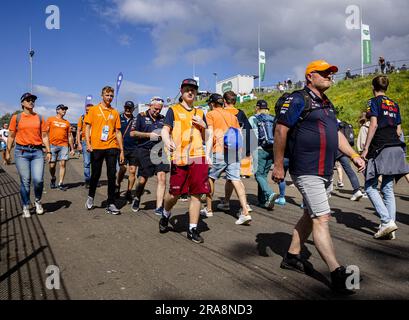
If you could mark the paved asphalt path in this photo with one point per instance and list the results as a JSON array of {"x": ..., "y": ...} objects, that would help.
[{"x": 124, "y": 257}]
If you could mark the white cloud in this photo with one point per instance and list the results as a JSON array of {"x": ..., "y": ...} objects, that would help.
[
  {"x": 6, "y": 108},
  {"x": 124, "y": 40},
  {"x": 292, "y": 32},
  {"x": 132, "y": 91}
]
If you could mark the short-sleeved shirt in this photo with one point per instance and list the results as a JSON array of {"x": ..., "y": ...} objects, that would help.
[
  {"x": 4, "y": 134},
  {"x": 314, "y": 141},
  {"x": 126, "y": 128},
  {"x": 220, "y": 120},
  {"x": 144, "y": 122},
  {"x": 98, "y": 117},
  {"x": 388, "y": 118},
  {"x": 179, "y": 120},
  {"x": 81, "y": 126},
  {"x": 29, "y": 130},
  {"x": 58, "y": 131}
]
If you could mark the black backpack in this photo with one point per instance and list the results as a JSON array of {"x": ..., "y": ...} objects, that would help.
[
  {"x": 284, "y": 100},
  {"x": 348, "y": 131}
]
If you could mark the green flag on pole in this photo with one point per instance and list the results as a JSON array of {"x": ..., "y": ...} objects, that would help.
[
  {"x": 262, "y": 64},
  {"x": 366, "y": 45}
]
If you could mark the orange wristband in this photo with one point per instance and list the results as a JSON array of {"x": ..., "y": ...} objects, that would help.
[{"x": 355, "y": 155}]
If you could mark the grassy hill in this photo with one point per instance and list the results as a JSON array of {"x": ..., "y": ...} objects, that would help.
[{"x": 350, "y": 97}]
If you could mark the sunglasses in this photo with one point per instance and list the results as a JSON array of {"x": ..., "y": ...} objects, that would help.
[
  {"x": 30, "y": 100},
  {"x": 324, "y": 74}
]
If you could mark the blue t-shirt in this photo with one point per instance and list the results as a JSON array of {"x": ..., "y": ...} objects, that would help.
[
  {"x": 385, "y": 110},
  {"x": 388, "y": 118},
  {"x": 313, "y": 141},
  {"x": 129, "y": 142},
  {"x": 145, "y": 123}
]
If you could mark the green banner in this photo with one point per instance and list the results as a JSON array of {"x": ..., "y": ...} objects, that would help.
[{"x": 367, "y": 53}]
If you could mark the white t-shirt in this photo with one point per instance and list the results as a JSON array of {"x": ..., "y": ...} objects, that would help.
[{"x": 4, "y": 134}]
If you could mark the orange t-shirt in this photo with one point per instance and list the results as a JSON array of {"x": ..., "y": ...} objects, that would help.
[
  {"x": 81, "y": 126},
  {"x": 220, "y": 120},
  {"x": 98, "y": 117},
  {"x": 182, "y": 134},
  {"x": 29, "y": 129},
  {"x": 58, "y": 131}
]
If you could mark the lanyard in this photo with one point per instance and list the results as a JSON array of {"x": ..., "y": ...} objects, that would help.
[{"x": 106, "y": 120}]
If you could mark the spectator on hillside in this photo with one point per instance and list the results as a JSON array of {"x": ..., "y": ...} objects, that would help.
[{"x": 381, "y": 64}]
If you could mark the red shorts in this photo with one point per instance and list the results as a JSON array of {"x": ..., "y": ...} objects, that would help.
[{"x": 192, "y": 179}]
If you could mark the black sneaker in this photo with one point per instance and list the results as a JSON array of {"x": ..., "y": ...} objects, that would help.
[
  {"x": 338, "y": 281},
  {"x": 128, "y": 196},
  {"x": 194, "y": 236},
  {"x": 52, "y": 184},
  {"x": 62, "y": 187},
  {"x": 296, "y": 263},
  {"x": 135, "y": 204},
  {"x": 163, "y": 224}
]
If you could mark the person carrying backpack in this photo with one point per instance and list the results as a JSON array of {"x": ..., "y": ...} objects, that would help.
[
  {"x": 308, "y": 122},
  {"x": 223, "y": 147},
  {"x": 29, "y": 130},
  {"x": 263, "y": 125}
]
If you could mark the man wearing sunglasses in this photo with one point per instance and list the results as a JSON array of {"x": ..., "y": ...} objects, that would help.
[
  {"x": 307, "y": 120},
  {"x": 146, "y": 128}
]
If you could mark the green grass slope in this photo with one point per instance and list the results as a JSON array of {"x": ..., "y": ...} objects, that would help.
[{"x": 350, "y": 98}]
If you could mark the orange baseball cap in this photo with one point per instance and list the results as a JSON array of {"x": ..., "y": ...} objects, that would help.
[{"x": 320, "y": 65}]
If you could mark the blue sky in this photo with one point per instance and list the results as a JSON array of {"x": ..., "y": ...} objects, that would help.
[{"x": 156, "y": 42}]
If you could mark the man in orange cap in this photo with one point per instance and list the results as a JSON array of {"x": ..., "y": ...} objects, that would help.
[{"x": 307, "y": 121}]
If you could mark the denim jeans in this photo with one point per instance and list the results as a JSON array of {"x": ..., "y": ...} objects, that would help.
[
  {"x": 264, "y": 162},
  {"x": 30, "y": 165},
  {"x": 87, "y": 161},
  {"x": 346, "y": 164},
  {"x": 386, "y": 207},
  {"x": 97, "y": 160}
]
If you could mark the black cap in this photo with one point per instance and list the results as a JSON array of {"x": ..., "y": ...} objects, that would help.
[
  {"x": 61, "y": 106},
  {"x": 189, "y": 82},
  {"x": 129, "y": 104},
  {"x": 27, "y": 95},
  {"x": 262, "y": 104},
  {"x": 216, "y": 98}
]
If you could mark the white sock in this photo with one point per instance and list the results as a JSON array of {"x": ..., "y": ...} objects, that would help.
[
  {"x": 166, "y": 213},
  {"x": 192, "y": 225}
]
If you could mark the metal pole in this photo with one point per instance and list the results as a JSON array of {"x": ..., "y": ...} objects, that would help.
[
  {"x": 362, "y": 47},
  {"x": 31, "y": 63},
  {"x": 258, "y": 60}
]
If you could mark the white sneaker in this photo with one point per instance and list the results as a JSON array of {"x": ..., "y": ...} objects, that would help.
[
  {"x": 243, "y": 220},
  {"x": 26, "y": 212},
  {"x": 392, "y": 235},
  {"x": 340, "y": 184},
  {"x": 206, "y": 213},
  {"x": 249, "y": 209},
  {"x": 39, "y": 207},
  {"x": 357, "y": 196},
  {"x": 386, "y": 229},
  {"x": 365, "y": 196},
  {"x": 272, "y": 200},
  {"x": 223, "y": 206},
  {"x": 90, "y": 203}
]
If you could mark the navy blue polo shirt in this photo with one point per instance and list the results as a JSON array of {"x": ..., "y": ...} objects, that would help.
[
  {"x": 314, "y": 141},
  {"x": 129, "y": 142},
  {"x": 145, "y": 123}
]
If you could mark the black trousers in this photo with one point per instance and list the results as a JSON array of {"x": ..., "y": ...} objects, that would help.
[{"x": 97, "y": 159}]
